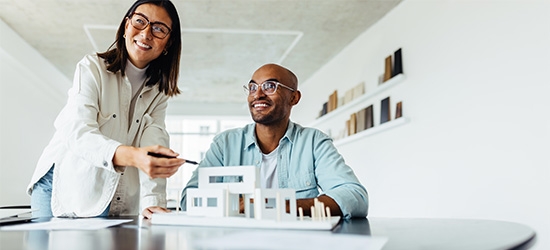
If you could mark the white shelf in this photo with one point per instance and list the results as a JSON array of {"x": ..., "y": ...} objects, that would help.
[
  {"x": 384, "y": 86},
  {"x": 371, "y": 131}
]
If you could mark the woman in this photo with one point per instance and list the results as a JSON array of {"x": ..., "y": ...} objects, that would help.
[{"x": 97, "y": 163}]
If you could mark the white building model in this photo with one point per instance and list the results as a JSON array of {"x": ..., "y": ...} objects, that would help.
[
  {"x": 220, "y": 188},
  {"x": 215, "y": 203}
]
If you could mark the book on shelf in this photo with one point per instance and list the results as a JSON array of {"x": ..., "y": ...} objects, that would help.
[
  {"x": 332, "y": 101},
  {"x": 388, "y": 69},
  {"x": 397, "y": 63},
  {"x": 347, "y": 128},
  {"x": 358, "y": 90},
  {"x": 348, "y": 96},
  {"x": 369, "y": 117},
  {"x": 324, "y": 111},
  {"x": 361, "y": 120},
  {"x": 353, "y": 124},
  {"x": 385, "y": 110}
]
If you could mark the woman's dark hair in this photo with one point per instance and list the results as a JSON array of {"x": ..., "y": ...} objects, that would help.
[{"x": 165, "y": 69}]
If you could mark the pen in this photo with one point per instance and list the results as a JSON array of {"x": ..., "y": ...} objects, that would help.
[{"x": 167, "y": 156}]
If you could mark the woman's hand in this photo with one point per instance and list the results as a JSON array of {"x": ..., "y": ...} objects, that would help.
[
  {"x": 154, "y": 167},
  {"x": 148, "y": 212}
]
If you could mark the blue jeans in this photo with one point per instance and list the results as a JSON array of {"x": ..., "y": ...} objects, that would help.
[{"x": 41, "y": 197}]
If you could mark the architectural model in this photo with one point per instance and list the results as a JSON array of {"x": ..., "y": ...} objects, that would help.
[{"x": 216, "y": 203}]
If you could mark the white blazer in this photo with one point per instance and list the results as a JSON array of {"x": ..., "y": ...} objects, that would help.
[{"x": 93, "y": 123}]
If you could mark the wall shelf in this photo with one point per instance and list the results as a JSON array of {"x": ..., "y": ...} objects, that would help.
[
  {"x": 371, "y": 131},
  {"x": 386, "y": 85}
]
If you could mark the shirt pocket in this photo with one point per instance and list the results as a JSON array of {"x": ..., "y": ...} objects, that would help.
[
  {"x": 147, "y": 135},
  {"x": 103, "y": 122},
  {"x": 306, "y": 186},
  {"x": 146, "y": 121}
]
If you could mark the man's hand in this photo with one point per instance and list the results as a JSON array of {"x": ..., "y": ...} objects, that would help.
[
  {"x": 148, "y": 212},
  {"x": 154, "y": 167},
  {"x": 306, "y": 205}
]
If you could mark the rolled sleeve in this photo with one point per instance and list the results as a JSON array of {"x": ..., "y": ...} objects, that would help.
[
  {"x": 337, "y": 180},
  {"x": 153, "y": 191}
]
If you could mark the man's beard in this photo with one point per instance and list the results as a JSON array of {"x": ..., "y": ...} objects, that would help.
[{"x": 263, "y": 119}]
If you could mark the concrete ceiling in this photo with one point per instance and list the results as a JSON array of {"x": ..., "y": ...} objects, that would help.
[{"x": 224, "y": 41}]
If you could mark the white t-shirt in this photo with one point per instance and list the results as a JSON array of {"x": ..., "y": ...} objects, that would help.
[{"x": 268, "y": 170}]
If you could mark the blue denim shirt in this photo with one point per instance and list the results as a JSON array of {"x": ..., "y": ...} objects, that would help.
[{"x": 307, "y": 162}]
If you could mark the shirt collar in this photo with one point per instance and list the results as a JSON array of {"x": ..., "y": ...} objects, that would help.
[{"x": 251, "y": 135}]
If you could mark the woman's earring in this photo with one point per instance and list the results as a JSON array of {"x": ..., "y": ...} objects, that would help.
[
  {"x": 165, "y": 52},
  {"x": 124, "y": 35}
]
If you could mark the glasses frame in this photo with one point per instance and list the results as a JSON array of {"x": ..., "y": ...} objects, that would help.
[
  {"x": 148, "y": 24},
  {"x": 261, "y": 85}
]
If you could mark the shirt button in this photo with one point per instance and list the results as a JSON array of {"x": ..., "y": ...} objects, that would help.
[
  {"x": 105, "y": 164},
  {"x": 114, "y": 115},
  {"x": 139, "y": 96},
  {"x": 308, "y": 183},
  {"x": 117, "y": 198},
  {"x": 137, "y": 121}
]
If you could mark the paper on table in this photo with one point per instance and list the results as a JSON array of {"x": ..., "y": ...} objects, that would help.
[
  {"x": 67, "y": 224},
  {"x": 267, "y": 239}
]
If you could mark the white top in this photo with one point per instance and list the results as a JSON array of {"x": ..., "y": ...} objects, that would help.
[
  {"x": 93, "y": 123},
  {"x": 268, "y": 170}
]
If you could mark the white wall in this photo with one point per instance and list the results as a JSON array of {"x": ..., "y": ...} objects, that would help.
[
  {"x": 476, "y": 93},
  {"x": 32, "y": 92}
]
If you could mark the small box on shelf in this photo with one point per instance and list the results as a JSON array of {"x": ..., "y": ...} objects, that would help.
[{"x": 398, "y": 110}]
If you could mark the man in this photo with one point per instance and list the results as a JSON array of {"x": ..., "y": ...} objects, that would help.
[{"x": 288, "y": 155}]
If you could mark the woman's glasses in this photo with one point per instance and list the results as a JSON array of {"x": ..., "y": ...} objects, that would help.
[{"x": 158, "y": 29}]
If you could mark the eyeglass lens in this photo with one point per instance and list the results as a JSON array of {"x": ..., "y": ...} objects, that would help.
[
  {"x": 268, "y": 87},
  {"x": 141, "y": 22}
]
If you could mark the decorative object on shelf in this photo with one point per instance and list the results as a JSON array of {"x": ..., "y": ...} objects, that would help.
[
  {"x": 385, "y": 110},
  {"x": 388, "y": 69},
  {"x": 398, "y": 110},
  {"x": 397, "y": 63}
]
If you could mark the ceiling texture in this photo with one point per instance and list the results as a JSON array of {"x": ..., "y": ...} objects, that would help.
[{"x": 224, "y": 41}]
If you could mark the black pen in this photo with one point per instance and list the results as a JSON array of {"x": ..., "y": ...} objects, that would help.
[{"x": 167, "y": 156}]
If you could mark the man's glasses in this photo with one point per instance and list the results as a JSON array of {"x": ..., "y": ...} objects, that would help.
[
  {"x": 268, "y": 87},
  {"x": 158, "y": 29}
]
